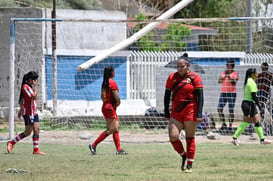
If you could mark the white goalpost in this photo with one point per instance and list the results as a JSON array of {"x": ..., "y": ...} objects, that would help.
[
  {"x": 140, "y": 73},
  {"x": 134, "y": 37}
]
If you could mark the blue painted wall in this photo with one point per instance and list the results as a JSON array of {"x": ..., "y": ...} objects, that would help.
[
  {"x": 192, "y": 46},
  {"x": 86, "y": 85},
  {"x": 214, "y": 61}
]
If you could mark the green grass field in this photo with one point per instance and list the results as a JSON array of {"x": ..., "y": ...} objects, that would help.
[{"x": 213, "y": 161}]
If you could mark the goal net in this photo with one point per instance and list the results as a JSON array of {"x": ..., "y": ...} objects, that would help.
[{"x": 141, "y": 68}]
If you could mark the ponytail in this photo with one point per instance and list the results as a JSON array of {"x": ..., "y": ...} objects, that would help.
[
  {"x": 248, "y": 74},
  {"x": 108, "y": 72}
]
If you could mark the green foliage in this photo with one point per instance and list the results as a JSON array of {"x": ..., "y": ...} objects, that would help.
[
  {"x": 83, "y": 4},
  {"x": 212, "y": 9},
  {"x": 171, "y": 40},
  {"x": 7, "y": 3},
  {"x": 227, "y": 39},
  {"x": 65, "y": 4},
  {"x": 174, "y": 38}
]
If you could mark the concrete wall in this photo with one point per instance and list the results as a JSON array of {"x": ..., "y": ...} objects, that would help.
[
  {"x": 86, "y": 35},
  {"x": 33, "y": 43},
  {"x": 21, "y": 53}
]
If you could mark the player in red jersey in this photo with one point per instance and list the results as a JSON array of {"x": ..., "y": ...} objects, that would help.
[
  {"x": 111, "y": 100},
  {"x": 186, "y": 88},
  {"x": 28, "y": 108}
]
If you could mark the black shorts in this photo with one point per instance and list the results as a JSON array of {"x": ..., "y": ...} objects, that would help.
[
  {"x": 30, "y": 120},
  {"x": 249, "y": 108}
]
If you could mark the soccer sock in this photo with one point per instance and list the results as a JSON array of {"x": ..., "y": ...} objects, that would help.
[
  {"x": 178, "y": 147},
  {"x": 259, "y": 130},
  {"x": 18, "y": 138},
  {"x": 35, "y": 139},
  {"x": 191, "y": 147},
  {"x": 101, "y": 137},
  {"x": 240, "y": 129},
  {"x": 117, "y": 140}
]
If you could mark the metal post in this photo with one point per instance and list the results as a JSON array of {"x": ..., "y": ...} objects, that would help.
[
  {"x": 54, "y": 60},
  {"x": 249, "y": 27},
  {"x": 11, "y": 78}
]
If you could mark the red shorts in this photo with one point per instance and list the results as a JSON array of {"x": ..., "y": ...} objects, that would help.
[
  {"x": 187, "y": 114},
  {"x": 109, "y": 112}
]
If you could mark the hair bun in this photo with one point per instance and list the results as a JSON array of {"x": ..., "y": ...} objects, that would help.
[{"x": 185, "y": 55}]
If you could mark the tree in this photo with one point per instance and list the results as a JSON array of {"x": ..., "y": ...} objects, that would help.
[{"x": 170, "y": 39}]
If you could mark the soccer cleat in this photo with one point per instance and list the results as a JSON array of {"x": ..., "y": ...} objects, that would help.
[
  {"x": 188, "y": 169},
  {"x": 121, "y": 152},
  {"x": 9, "y": 146},
  {"x": 38, "y": 152},
  {"x": 183, "y": 164},
  {"x": 92, "y": 149},
  {"x": 235, "y": 142},
  {"x": 266, "y": 142}
]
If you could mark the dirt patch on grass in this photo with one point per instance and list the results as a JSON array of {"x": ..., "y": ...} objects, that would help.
[{"x": 130, "y": 137}]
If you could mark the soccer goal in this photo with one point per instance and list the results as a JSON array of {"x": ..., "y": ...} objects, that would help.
[{"x": 141, "y": 68}]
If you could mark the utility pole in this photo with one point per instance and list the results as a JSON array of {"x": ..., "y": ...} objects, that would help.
[
  {"x": 249, "y": 27},
  {"x": 54, "y": 59}
]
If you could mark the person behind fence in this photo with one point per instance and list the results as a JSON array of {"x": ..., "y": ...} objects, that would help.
[
  {"x": 249, "y": 103},
  {"x": 264, "y": 82},
  {"x": 186, "y": 88},
  {"x": 28, "y": 108},
  {"x": 111, "y": 100},
  {"x": 228, "y": 79}
]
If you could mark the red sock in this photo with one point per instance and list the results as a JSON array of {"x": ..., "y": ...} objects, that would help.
[
  {"x": 178, "y": 147},
  {"x": 18, "y": 138},
  {"x": 35, "y": 140},
  {"x": 117, "y": 140},
  {"x": 190, "y": 150},
  {"x": 101, "y": 137}
]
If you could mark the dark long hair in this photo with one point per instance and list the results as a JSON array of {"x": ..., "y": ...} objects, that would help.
[
  {"x": 30, "y": 75},
  {"x": 248, "y": 74},
  {"x": 108, "y": 72}
]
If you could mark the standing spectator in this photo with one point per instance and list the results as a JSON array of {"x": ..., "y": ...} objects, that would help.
[
  {"x": 228, "y": 79},
  {"x": 186, "y": 88},
  {"x": 28, "y": 108},
  {"x": 264, "y": 81},
  {"x": 111, "y": 100},
  {"x": 249, "y": 108}
]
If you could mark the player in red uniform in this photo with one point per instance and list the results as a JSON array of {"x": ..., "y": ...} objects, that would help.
[
  {"x": 111, "y": 100},
  {"x": 28, "y": 108},
  {"x": 187, "y": 103}
]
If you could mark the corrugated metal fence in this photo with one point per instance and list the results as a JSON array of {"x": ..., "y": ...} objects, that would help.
[
  {"x": 257, "y": 58},
  {"x": 143, "y": 66}
]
